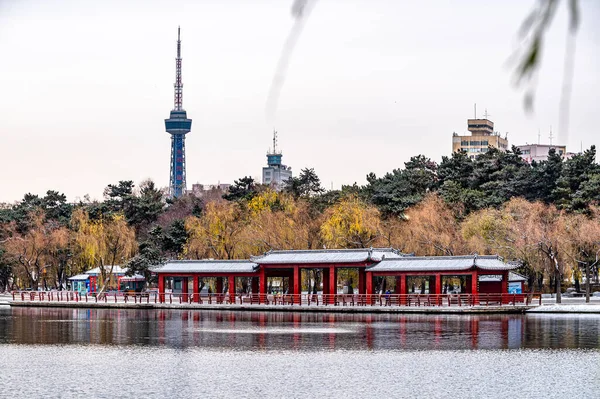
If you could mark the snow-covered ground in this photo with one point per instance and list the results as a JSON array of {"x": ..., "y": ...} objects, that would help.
[
  {"x": 5, "y": 298},
  {"x": 567, "y": 308}
]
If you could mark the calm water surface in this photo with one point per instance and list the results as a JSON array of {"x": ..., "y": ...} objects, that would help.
[{"x": 157, "y": 353}]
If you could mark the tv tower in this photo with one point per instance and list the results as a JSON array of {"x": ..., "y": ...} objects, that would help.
[{"x": 178, "y": 126}]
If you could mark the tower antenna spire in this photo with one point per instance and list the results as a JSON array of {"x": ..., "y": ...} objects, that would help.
[
  {"x": 274, "y": 141},
  {"x": 178, "y": 84}
]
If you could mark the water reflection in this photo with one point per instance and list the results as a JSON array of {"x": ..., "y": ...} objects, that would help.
[{"x": 296, "y": 331}]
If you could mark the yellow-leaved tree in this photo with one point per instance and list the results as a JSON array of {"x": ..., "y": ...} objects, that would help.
[
  {"x": 277, "y": 221},
  {"x": 351, "y": 224},
  {"x": 215, "y": 234},
  {"x": 102, "y": 243}
]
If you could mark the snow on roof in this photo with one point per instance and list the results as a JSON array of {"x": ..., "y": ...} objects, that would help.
[
  {"x": 79, "y": 277},
  {"x": 440, "y": 263},
  {"x": 135, "y": 277},
  {"x": 512, "y": 276},
  {"x": 326, "y": 256},
  {"x": 207, "y": 266},
  {"x": 116, "y": 270}
]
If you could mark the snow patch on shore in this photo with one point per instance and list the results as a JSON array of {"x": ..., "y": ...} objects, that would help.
[{"x": 564, "y": 308}]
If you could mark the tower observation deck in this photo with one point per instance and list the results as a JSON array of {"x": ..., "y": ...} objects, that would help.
[{"x": 178, "y": 125}]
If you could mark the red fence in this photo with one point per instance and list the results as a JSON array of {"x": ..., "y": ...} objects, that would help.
[{"x": 442, "y": 300}]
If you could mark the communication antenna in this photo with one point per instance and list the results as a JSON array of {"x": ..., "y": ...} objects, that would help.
[
  {"x": 475, "y": 106},
  {"x": 539, "y": 135},
  {"x": 486, "y": 115},
  {"x": 274, "y": 141},
  {"x": 551, "y": 136}
]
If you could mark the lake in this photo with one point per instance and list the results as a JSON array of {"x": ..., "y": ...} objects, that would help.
[{"x": 57, "y": 352}]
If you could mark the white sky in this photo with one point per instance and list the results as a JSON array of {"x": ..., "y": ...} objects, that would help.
[{"x": 85, "y": 87}]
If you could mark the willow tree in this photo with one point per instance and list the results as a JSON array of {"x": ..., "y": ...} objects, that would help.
[
  {"x": 278, "y": 221},
  {"x": 431, "y": 228},
  {"x": 102, "y": 243},
  {"x": 351, "y": 224},
  {"x": 33, "y": 250},
  {"x": 583, "y": 245},
  {"x": 215, "y": 234}
]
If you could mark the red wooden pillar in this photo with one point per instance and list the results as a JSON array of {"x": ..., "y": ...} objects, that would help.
[
  {"x": 196, "y": 290},
  {"x": 219, "y": 285},
  {"x": 369, "y": 283},
  {"x": 297, "y": 285},
  {"x": 255, "y": 285},
  {"x": 362, "y": 274},
  {"x": 402, "y": 292},
  {"x": 325, "y": 281},
  {"x": 161, "y": 288},
  {"x": 232, "y": 289},
  {"x": 184, "y": 289},
  {"x": 262, "y": 281},
  {"x": 474, "y": 287},
  {"x": 332, "y": 283},
  {"x": 438, "y": 289},
  {"x": 504, "y": 298}
]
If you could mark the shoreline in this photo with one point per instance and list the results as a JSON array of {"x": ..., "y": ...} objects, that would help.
[
  {"x": 570, "y": 307},
  {"x": 283, "y": 308}
]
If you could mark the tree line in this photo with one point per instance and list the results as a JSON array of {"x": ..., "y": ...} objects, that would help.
[{"x": 544, "y": 215}]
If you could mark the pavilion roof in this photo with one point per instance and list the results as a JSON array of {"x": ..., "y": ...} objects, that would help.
[
  {"x": 207, "y": 266},
  {"x": 326, "y": 256},
  {"x": 79, "y": 277},
  {"x": 441, "y": 263},
  {"x": 116, "y": 269}
]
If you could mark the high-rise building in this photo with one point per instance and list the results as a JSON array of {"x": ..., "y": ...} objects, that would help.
[
  {"x": 275, "y": 173},
  {"x": 178, "y": 125},
  {"x": 482, "y": 136}
]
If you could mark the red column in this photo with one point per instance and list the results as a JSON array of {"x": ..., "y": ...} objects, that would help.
[
  {"x": 219, "y": 285},
  {"x": 369, "y": 283},
  {"x": 232, "y": 289},
  {"x": 262, "y": 281},
  {"x": 297, "y": 284},
  {"x": 325, "y": 281},
  {"x": 332, "y": 283},
  {"x": 504, "y": 286},
  {"x": 161, "y": 288},
  {"x": 402, "y": 293},
  {"x": 438, "y": 289},
  {"x": 184, "y": 289},
  {"x": 196, "y": 290},
  {"x": 474, "y": 286},
  {"x": 254, "y": 285},
  {"x": 361, "y": 280}
]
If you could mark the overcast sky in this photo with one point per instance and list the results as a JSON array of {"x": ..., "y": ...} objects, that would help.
[{"x": 85, "y": 87}]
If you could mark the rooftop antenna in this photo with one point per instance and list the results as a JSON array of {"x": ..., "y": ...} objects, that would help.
[
  {"x": 551, "y": 136},
  {"x": 539, "y": 135},
  {"x": 486, "y": 115},
  {"x": 475, "y": 106},
  {"x": 274, "y": 141}
]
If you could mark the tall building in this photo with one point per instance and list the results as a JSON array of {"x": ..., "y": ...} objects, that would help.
[
  {"x": 482, "y": 136},
  {"x": 178, "y": 125},
  {"x": 275, "y": 173},
  {"x": 539, "y": 152}
]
